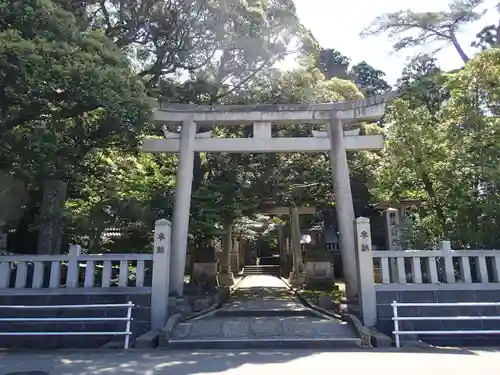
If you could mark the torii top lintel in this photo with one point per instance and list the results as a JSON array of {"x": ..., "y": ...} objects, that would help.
[{"x": 369, "y": 109}]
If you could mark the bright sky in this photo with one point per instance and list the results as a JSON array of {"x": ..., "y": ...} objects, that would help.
[{"x": 337, "y": 24}]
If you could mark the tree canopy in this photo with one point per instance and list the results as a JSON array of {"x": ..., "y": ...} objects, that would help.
[{"x": 77, "y": 83}]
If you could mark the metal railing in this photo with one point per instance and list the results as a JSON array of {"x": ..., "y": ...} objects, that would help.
[
  {"x": 396, "y": 318},
  {"x": 128, "y": 319}
]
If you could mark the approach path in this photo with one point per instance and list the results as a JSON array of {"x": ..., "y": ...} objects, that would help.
[{"x": 262, "y": 312}]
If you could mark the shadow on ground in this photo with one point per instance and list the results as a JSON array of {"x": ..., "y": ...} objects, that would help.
[{"x": 187, "y": 363}]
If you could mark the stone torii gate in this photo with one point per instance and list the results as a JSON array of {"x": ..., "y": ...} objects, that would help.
[
  {"x": 297, "y": 277},
  {"x": 335, "y": 141}
]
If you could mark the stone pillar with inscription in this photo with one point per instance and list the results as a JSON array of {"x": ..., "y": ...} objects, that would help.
[
  {"x": 392, "y": 223},
  {"x": 366, "y": 279},
  {"x": 235, "y": 256},
  {"x": 241, "y": 252},
  {"x": 50, "y": 230},
  {"x": 161, "y": 274},
  {"x": 225, "y": 275},
  {"x": 297, "y": 276}
]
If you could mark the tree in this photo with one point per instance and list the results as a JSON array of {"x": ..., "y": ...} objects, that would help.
[
  {"x": 222, "y": 42},
  {"x": 489, "y": 36},
  {"x": 161, "y": 37},
  {"x": 65, "y": 91},
  {"x": 370, "y": 80},
  {"x": 305, "y": 179},
  {"x": 415, "y": 146},
  {"x": 412, "y": 29},
  {"x": 124, "y": 192},
  {"x": 333, "y": 64},
  {"x": 38, "y": 79},
  {"x": 471, "y": 118},
  {"x": 412, "y": 163},
  {"x": 251, "y": 38},
  {"x": 240, "y": 185},
  {"x": 446, "y": 155},
  {"x": 422, "y": 84}
]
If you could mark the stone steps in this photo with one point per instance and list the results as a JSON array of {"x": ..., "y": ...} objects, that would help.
[
  {"x": 262, "y": 270},
  {"x": 262, "y": 329},
  {"x": 271, "y": 343},
  {"x": 266, "y": 312},
  {"x": 262, "y": 317}
]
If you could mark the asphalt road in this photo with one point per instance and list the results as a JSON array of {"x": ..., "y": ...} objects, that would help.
[{"x": 290, "y": 362}]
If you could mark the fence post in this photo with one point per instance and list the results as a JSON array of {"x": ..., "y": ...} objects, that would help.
[
  {"x": 73, "y": 266},
  {"x": 5, "y": 274},
  {"x": 365, "y": 271},
  {"x": 161, "y": 274},
  {"x": 448, "y": 261}
]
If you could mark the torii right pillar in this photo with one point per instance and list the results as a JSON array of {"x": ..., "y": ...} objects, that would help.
[{"x": 344, "y": 205}]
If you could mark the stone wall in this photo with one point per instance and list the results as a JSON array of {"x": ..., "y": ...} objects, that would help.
[
  {"x": 140, "y": 314},
  {"x": 386, "y": 325}
]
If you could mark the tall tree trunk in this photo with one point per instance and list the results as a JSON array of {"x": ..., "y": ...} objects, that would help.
[
  {"x": 50, "y": 229},
  {"x": 458, "y": 48}
]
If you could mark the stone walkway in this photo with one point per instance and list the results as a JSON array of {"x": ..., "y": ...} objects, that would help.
[{"x": 262, "y": 312}]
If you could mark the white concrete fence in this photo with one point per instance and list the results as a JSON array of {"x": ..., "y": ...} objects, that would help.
[
  {"x": 437, "y": 266},
  {"x": 420, "y": 270},
  {"x": 78, "y": 273},
  {"x": 74, "y": 270},
  {"x": 442, "y": 269}
]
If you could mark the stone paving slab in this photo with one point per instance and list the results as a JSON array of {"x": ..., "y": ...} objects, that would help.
[
  {"x": 262, "y": 292},
  {"x": 279, "y": 304},
  {"x": 261, "y": 327},
  {"x": 290, "y": 321},
  {"x": 262, "y": 281}
]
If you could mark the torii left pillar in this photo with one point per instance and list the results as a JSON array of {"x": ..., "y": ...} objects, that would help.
[{"x": 182, "y": 207}]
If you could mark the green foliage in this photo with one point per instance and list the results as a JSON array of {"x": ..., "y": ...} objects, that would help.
[
  {"x": 422, "y": 84},
  {"x": 448, "y": 157},
  {"x": 333, "y": 64},
  {"x": 12, "y": 198},
  {"x": 471, "y": 118},
  {"x": 73, "y": 106},
  {"x": 489, "y": 36},
  {"x": 66, "y": 92},
  {"x": 125, "y": 192},
  {"x": 219, "y": 42},
  {"x": 50, "y": 67},
  {"x": 369, "y": 80}
]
